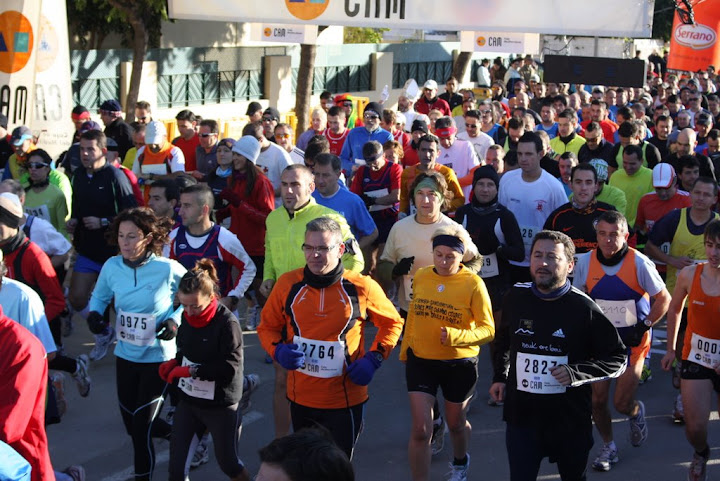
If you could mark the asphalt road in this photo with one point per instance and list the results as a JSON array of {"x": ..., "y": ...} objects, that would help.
[{"x": 92, "y": 434}]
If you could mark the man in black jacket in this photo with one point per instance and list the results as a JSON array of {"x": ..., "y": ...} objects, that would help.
[
  {"x": 115, "y": 128},
  {"x": 552, "y": 341}
]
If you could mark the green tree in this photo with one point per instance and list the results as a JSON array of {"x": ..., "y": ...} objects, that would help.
[
  {"x": 663, "y": 19},
  {"x": 138, "y": 21},
  {"x": 363, "y": 34}
]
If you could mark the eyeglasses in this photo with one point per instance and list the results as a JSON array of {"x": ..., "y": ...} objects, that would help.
[
  {"x": 282, "y": 136},
  {"x": 38, "y": 165},
  {"x": 484, "y": 112},
  {"x": 317, "y": 249},
  {"x": 371, "y": 117},
  {"x": 471, "y": 126},
  {"x": 207, "y": 135}
]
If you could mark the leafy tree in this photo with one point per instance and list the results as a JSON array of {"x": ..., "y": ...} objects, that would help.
[
  {"x": 363, "y": 34},
  {"x": 663, "y": 19}
]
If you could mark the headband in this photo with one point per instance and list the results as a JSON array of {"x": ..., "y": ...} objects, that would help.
[
  {"x": 428, "y": 183},
  {"x": 455, "y": 243},
  {"x": 81, "y": 116}
]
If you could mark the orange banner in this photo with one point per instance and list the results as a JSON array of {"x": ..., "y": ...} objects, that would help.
[{"x": 694, "y": 47}]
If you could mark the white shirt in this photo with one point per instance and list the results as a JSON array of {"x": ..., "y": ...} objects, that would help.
[
  {"x": 481, "y": 143},
  {"x": 531, "y": 202},
  {"x": 461, "y": 158},
  {"x": 273, "y": 161},
  {"x": 44, "y": 234},
  {"x": 483, "y": 76}
]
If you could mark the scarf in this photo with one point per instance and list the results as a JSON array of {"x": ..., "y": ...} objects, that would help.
[
  {"x": 13, "y": 243},
  {"x": 556, "y": 294},
  {"x": 204, "y": 318},
  {"x": 325, "y": 280},
  {"x": 615, "y": 259},
  {"x": 223, "y": 173}
]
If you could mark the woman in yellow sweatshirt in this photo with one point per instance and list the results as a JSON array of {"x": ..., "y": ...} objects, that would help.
[{"x": 449, "y": 318}]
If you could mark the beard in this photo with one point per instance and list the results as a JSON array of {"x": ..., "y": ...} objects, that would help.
[{"x": 552, "y": 283}]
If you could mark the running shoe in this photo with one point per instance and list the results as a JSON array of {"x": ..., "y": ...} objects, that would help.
[
  {"x": 77, "y": 473},
  {"x": 437, "y": 442},
  {"x": 58, "y": 381},
  {"x": 102, "y": 344},
  {"x": 646, "y": 375},
  {"x": 638, "y": 427},
  {"x": 202, "y": 453},
  {"x": 678, "y": 411},
  {"x": 606, "y": 458},
  {"x": 250, "y": 384},
  {"x": 253, "y": 317},
  {"x": 698, "y": 468},
  {"x": 82, "y": 380},
  {"x": 459, "y": 472}
]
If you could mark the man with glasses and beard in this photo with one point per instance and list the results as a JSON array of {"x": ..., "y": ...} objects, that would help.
[{"x": 352, "y": 151}]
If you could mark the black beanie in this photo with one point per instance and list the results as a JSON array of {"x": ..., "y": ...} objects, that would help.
[
  {"x": 373, "y": 107},
  {"x": 486, "y": 172}
]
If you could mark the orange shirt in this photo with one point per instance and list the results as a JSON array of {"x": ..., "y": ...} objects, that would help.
[{"x": 702, "y": 314}]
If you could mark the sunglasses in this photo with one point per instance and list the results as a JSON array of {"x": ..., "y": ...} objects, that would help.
[
  {"x": 267, "y": 119},
  {"x": 282, "y": 136},
  {"x": 38, "y": 165},
  {"x": 371, "y": 117},
  {"x": 207, "y": 135}
]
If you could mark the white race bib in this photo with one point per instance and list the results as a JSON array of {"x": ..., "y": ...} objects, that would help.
[
  {"x": 41, "y": 211},
  {"x": 705, "y": 351},
  {"x": 528, "y": 234},
  {"x": 155, "y": 169},
  {"x": 489, "y": 266},
  {"x": 196, "y": 387},
  {"x": 533, "y": 373},
  {"x": 376, "y": 194},
  {"x": 322, "y": 358},
  {"x": 620, "y": 313},
  {"x": 408, "y": 284},
  {"x": 135, "y": 328}
]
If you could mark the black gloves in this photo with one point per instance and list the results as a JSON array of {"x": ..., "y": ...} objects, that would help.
[
  {"x": 96, "y": 322},
  {"x": 403, "y": 267},
  {"x": 167, "y": 330}
]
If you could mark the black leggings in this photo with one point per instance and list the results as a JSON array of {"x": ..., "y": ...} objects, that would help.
[
  {"x": 140, "y": 394},
  {"x": 344, "y": 424},
  {"x": 225, "y": 426},
  {"x": 60, "y": 362}
]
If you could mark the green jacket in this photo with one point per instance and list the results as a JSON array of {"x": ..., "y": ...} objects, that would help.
[
  {"x": 56, "y": 178},
  {"x": 285, "y": 237}
]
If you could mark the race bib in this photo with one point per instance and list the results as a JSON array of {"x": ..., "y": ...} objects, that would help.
[
  {"x": 533, "y": 373},
  {"x": 135, "y": 328},
  {"x": 155, "y": 169},
  {"x": 322, "y": 358},
  {"x": 528, "y": 234},
  {"x": 620, "y": 313},
  {"x": 376, "y": 194},
  {"x": 705, "y": 351},
  {"x": 41, "y": 211},
  {"x": 196, "y": 387},
  {"x": 665, "y": 248},
  {"x": 489, "y": 266},
  {"x": 408, "y": 284}
]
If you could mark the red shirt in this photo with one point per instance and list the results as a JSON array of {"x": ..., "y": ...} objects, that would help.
[
  {"x": 188, "y": 149},
  {"x": 422, "y": 106},
  {"x": 395, "y": 174},
  {"x": 403, "y": 138},
  {"x": 651, "y": 208},
  {"x": 336, "y": 141},
  {"x": 410, "y": 156},
  {"x": 608, "y": 128}
]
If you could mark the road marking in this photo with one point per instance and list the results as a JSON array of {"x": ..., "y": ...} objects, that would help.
[{"x": 163, "y": 456}]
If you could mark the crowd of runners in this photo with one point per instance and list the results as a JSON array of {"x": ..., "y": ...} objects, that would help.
[{"x": 557, "y": 224}]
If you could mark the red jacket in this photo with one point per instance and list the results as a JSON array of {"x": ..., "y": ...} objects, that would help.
[
  {"x": 422, "y": 106},
  {"x": 28, "y": 264},
  {"x": 23, "y": 385},
  {"x": 247, "y": 221}
]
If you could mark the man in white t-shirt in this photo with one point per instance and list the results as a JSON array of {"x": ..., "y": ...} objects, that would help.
[
  {"x": 480, "y": 141},
  {"x": 457, "y": 154},
  {"x": 272, "y": 159},
  {"x": 531, "y": 194}
]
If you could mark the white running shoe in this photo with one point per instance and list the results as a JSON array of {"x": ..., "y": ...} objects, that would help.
[{"x": 102, "y": 344}]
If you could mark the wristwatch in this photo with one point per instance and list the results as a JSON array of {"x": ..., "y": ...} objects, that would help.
[
  {"x": 104, "y": 222},
  {"x": 379, "y": 357},
  {"x": 193, "y": 371},
  {"x": 648, "y": 322}
]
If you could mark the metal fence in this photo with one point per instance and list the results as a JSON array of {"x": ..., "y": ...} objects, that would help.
[
  {"x": 93, "y": 92},
  {"x": 421, "y": 72},
  {"x": 342, "y": 78},
  {"x": 182, "y": 90}
]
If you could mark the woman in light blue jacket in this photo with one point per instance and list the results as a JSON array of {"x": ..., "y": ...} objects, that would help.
[{"x": 143, "y": 286}]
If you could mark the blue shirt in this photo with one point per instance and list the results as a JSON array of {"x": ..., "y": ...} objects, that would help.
[
  {"x": 353, "y": 146},
  {"x": 352, "y": 207},
  {"x": 24, "y": 306},
  {"x": 552, "y": 131},
  {"x": 147, "y": 289}
]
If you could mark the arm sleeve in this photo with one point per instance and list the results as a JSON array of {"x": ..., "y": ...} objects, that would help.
[
  {"x": 454, "y": 187},
  {"x": 652, "y": 155},
  {"x": 136, "y": 163},
  {"x": 272, "y": 320},
  {"x": 356, "y": 184},
  {"x": 513, "y": 249},
  {"x": 177, "y": 160},
  {"x": 608, "y": 356},
  {"x": 233, "y": 252},
  {"x": 382, "y": 313},
  {"x": 404, "y": 186},
  {"x": 230, "y": 356},
  {"x": 177, "y": 271},
  {"x": 66, "y": 189},
  {"x": 483, "y": 330},
  {"x": 260, "y": 204},
  {"x": 364, "y": 222},
  {"x": 103, "y": 293}
]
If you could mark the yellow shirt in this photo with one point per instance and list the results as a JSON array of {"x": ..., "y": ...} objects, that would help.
[{"x": 460, "y": 303}]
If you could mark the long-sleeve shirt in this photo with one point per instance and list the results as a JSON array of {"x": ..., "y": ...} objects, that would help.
[
  {"x": 460, "y": 303},
  {"x": 352, "y": 148},
  {"x": 145, "y": 295}
]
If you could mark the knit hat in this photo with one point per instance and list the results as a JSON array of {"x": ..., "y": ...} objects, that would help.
[
  {"x": 601, "y": 167},
  {"x": 11, "y": 212},
  {"x": 486, "y": 172},
  {"x": 89, "y": 125},
  {"x": 247, "y": 146},
  {"x": 419, "y": 125},
  {"x": 373, "y": 107},
  {"x": 111, "y": 105}
]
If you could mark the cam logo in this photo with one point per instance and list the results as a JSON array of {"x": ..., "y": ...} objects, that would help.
[
  {"x": 306, "y": 9},
  {"x": 16, "y": 41},
  {"x": 267, "y": 32}
]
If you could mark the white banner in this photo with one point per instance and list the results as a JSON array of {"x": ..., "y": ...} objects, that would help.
[
  {"x": 283, "y": 33},
  {"x": 53, "y": 89},
  {"x": 18, "y": 38},
  {"x": 612, "y": 18},
  {"x": 500, "y": 42}
]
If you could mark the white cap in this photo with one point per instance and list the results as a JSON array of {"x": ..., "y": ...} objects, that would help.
[
  {"x": 155, "y": 133},
  {"x": 663, "y": 175},
  {"x": 430, "y": 84},
  {"x": 400, "y": 118}
]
